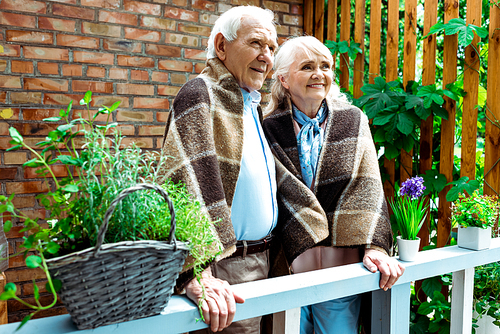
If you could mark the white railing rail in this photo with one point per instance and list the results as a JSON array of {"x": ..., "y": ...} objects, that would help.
[{"x": 284, "y": 295}]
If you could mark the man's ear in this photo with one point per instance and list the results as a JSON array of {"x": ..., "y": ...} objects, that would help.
[
  {"x": 283, "y": 82},
  {"x": 220, "y": 43}
]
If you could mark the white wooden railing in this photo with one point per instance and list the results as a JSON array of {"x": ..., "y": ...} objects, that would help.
[{"x": 284, "y": 295}]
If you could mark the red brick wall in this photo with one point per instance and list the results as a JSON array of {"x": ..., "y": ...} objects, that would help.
[{"x": 136, "y": 52}]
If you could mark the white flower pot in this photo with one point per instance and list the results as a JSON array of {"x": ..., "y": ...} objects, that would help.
[
  {"x": 474, "y": 238},
  {"x": 408, "y": 249},
  {"x": 486, "y": 325}
]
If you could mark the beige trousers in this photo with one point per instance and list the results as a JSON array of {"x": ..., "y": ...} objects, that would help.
[{"x": 237, "y": 270}]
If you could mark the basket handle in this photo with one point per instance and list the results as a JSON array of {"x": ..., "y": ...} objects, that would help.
[{"x": 125, "y": 193}]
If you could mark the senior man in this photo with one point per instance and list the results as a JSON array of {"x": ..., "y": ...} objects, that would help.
[{"x": 219, "y": 151}]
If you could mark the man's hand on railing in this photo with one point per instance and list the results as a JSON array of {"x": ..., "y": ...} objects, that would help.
[
  {"x": 219, "y": 305},
  {"x": 390, "y": 268}
]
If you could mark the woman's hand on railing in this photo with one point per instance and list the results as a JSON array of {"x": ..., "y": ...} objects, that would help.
[
  {"x": 390, "y": 268},
  {"x": 218, "y": 301}
]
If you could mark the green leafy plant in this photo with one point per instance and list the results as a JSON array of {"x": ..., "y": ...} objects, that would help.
[
  {"x": 458, "y": 26},
  {"x": 475, "y": 210},
  {"x": 487, "y": 293},
  {"x": 99, "y": 166}
]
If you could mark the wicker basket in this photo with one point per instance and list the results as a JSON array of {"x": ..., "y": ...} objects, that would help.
[{"x": 122, "y": 281}]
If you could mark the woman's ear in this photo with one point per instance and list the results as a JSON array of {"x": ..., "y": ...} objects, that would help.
[
  {"x": 283, "y": 82},
  {"x": 220, "y": 46}
]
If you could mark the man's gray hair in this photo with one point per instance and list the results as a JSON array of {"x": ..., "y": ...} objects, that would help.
[{"x": 230, "y": 22}]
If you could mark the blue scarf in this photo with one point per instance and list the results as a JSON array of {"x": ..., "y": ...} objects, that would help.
[{"x": 309, "y": 141}]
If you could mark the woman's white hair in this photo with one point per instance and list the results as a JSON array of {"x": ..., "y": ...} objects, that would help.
[
  {"x": 285, "y": 57},
  {"x": 230, "y": 22}
]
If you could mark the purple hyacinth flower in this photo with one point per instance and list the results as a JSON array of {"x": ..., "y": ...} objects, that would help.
[{"x": 413, "y": 187}]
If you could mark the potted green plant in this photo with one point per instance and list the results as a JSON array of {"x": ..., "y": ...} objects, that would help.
[
  {"x": 110, "y": 223},
  {"x": 409, "y": 214},
  {"x": 475, "y": 215}
]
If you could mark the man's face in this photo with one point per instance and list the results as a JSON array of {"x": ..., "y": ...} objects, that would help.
[{"x": 250, "y": 56}]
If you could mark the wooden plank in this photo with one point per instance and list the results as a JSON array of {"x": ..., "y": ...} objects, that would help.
[
  {"x": 345, "y": 31},
  {"x": 3, "y": 303},
  {"x": 461, "y": 301},
  {"x": 359, "y": 37},
  {"x": 492, "y": 142},
  {"x": 390, "y": 311},
  {"x": 331, "y": 28},
  {"x": 287, "y": 322},
  {"x": 375, "y": 39},
  {"x": 471, "y": 87},
  {"x": 426, "y": 126},
  {"x": 319, "y": 19},
  {"x": 309, "y": 18},
  {"x": 447, "y": 126}
]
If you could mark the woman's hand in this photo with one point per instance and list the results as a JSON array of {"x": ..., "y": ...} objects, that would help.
[
  {"x": 390, "y": 268},
  {"x": 219, "y": 305}
]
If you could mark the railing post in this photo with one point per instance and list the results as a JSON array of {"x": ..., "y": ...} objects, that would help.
[
  {"x": 391, "y": 310},
  {"x": 287, "y": 322},
  {"x": 461, "y": 301}
]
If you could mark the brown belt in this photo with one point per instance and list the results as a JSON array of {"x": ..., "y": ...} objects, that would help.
[{"x": 253, "y": 247}]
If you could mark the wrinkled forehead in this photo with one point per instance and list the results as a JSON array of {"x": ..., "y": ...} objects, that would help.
[{"x": 258, "y": 26}]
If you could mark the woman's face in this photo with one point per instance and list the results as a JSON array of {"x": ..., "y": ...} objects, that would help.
[{"x": 308, "y": 80}]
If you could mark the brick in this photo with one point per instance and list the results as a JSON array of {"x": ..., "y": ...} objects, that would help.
[
  {"x": 151, "y": 130},
  {"x": 94, "y": 86},
  {"x": 4, "y": 143},
  {"x": 46, "y": 53},
  {"x": 108, "y": 100},
  {"x": 159, "y": 143},
  {"x": 29, "y": 37},
  {"x": 35, "y": 129},
  {"x": 277, "y": 6},
  {"x": 77, "y": 12},
  {"x": 245, "y": 3},
  {"x": 3, "y": 97},
  {"x": 181, "y": 39},
  {"x": 17, "y": 20},
  {"x": 61, "y": 99},
  {"x": 150, "y": 103},
  {"x": 162, "y": 116},
  {"x": 11, "y": 50},
  {"x": 292, "y": 20},
  {"x": 122, "y": 45},
  {"x": 296, "y": 31},
  {"x": 110, "y": 4},
  {"x": 163, "y": 50},
  {"x": 10, "y": 113},
  {"x": 194, "y": 29},
  {"x": 26, "y": 187},
  {"x": 50, "y": 23},
  {"x": 14, "y": 232},
  {"x": 157, "y": 23},
  {"x": 283, "y": 30},
  {"x": 96, "y": 72},
  {"x": 77, "y": 41},
  {"x": 224, "y": 7},
  {"x": 16, "y": 262},
  {"x": 175, "y": 65},
  {"x": 181, "y": 14},
  {"x": 126, "y": 129},
  {"x": 168, "y": 90},
  {"x": 28, "y": 289},
  {"x": 135, "y": 61},
  {"x": 143, "y": 35},
  {"x": 179, "y": 3},
  {"x": 70, "y": 70},
  {"x": 159, "y": 76},
  {"x": 18, "y": 66},
  {"x": 8, "y": 173},
  {"x": 4, "y": 128},
  {"x": 39, "y": 114},
  {"x": 93, "y": 57},
  {"x": 7, "y": 81},
  {"x": 195, "y": 54},
  {"x": 26, "y": 97},
  {"x": 134, "y": 89},
  {"x": 137, "y": 75},
  {"x": 101, "y": 29},
  {"x": 3, "y": 65},
  {"x": 15, "y": 158},
  {"x": 48, "y": 68},
  {"x": 198, "y": 67},
  {"x": 58, "y": 170},
  {"x": 297, "y": 10},
  {"x": 141, "y": 7},
  {"x": 30, "y": 6},
  {"x": 118, "y": 74},
  {"x": 117, "y": 17},
  {"x": 134, "y": 116},
  {"x": 178, "y": 79},
  {"x": 22, "y": 202},
  {"x": 71, "y": 2},
  {"x": 208, "y": 18},
  {"x": 139, "y": 142},
  {"x": 205, "y": 5},
  {"x": 46, "y": 84}
]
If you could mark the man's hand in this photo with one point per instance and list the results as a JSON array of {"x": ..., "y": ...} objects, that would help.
[
  {"x": 390, "y": 268},
  {"x": 220, "y": 301}
]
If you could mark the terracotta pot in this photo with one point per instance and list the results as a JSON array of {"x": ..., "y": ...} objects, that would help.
[
  {"x": 474, "y": 238},
  {"x": 408, "y": 249}
]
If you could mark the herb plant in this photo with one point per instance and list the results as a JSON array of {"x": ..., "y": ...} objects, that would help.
[{"x": 475, "y": 210}]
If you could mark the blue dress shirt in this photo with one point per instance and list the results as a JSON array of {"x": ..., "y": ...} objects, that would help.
[{"x": 254, "y": 210}]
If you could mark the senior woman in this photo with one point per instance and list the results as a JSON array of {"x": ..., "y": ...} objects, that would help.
[{"x": 324, "y": 144}]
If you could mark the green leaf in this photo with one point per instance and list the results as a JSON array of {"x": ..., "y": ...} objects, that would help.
[
  {"x": 430, "y": 285},
  {"x": 417, "y": 103},
  {"x": 14, "y": 134},
  {"x": 88, "y": 97},
  {"x": 10, "y": 287},
  {"x": 33, "y": 261},
  {"x": 405, "y": 124},
  {"x": 53, "y": 247},
  {"x": 391, "y": 151},
  {"x": 71, "y": 188},
  {"x": 13, "y": 148},
  {"x": 25, "y": 320},
  {"x": 31, "y": 163},
  {"x": 434, "y": 182},
  {"x": 461, "y": 185},
  {"x": 7, "y": 226},
  {"x": 65, "y": 127},
  {"x": 383, "y": 119},
  {"x": 52, "y": 119},
  {"x": 439, "y": 111},
  {"x": 36, "y": 291},
  {"x": 57, "y": 285},
  {"x": 408, "y": 143},
  {"x": 66, "y": 159}
]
